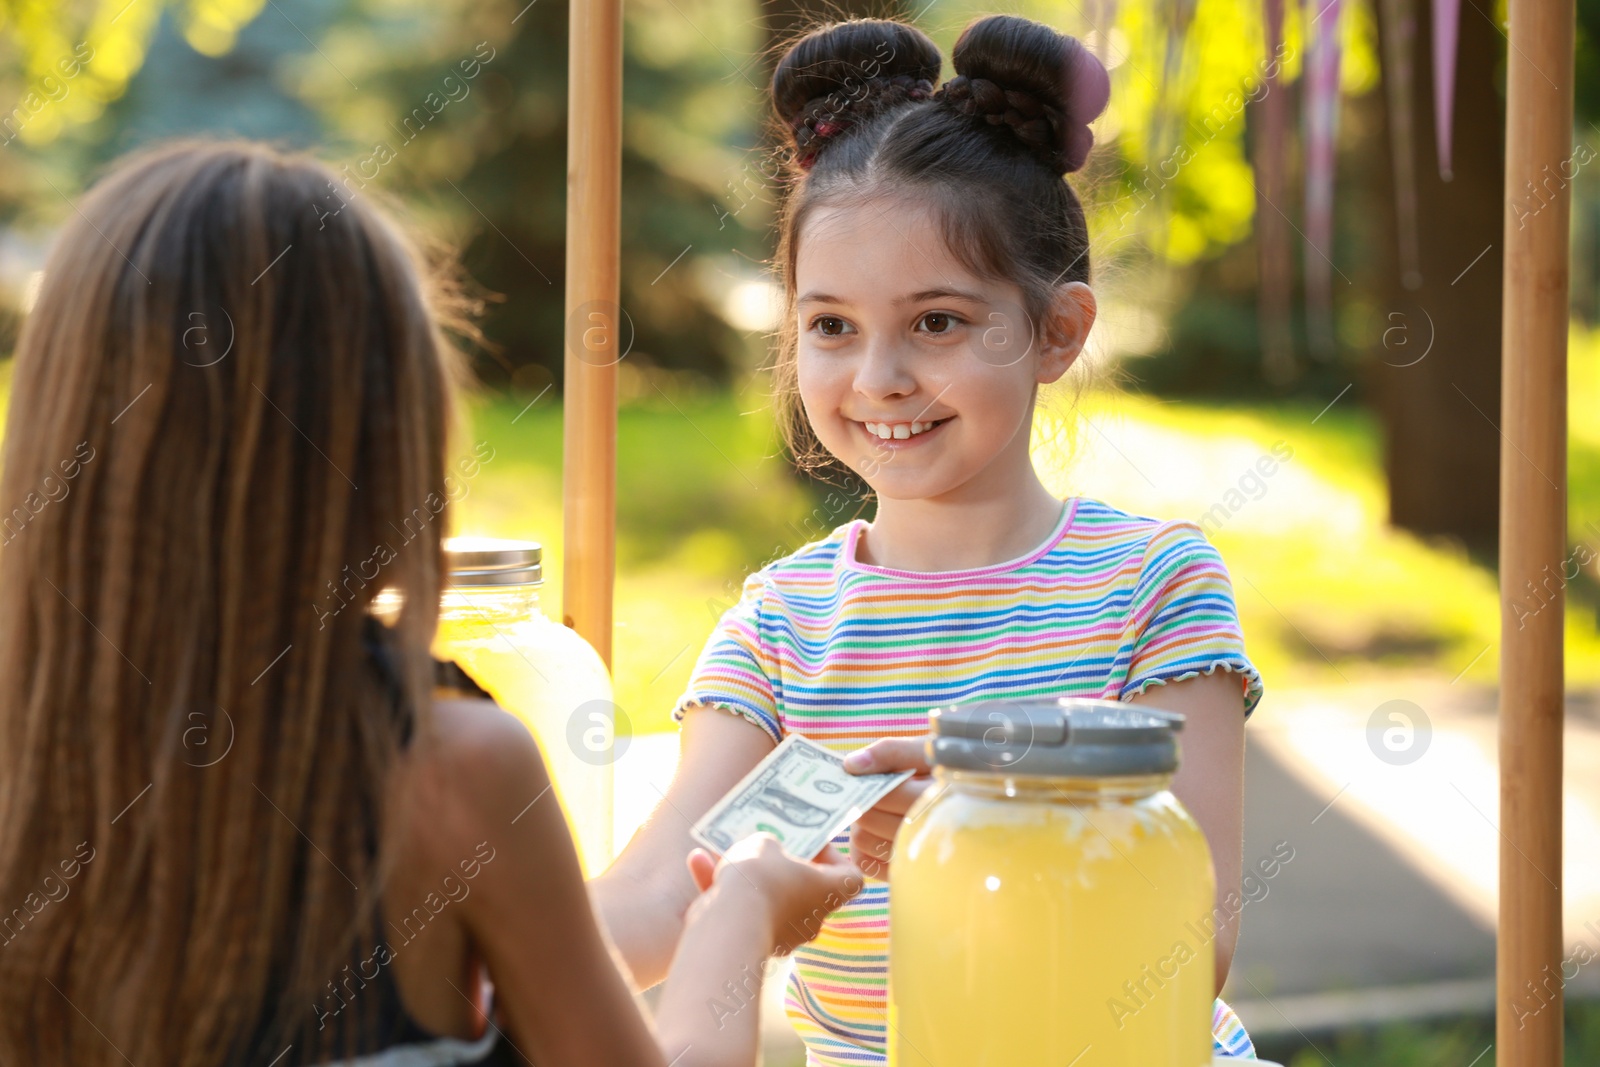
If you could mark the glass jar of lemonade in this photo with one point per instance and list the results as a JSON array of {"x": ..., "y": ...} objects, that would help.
[
  {"x": 1050, "y": 899},
  {"x": 490, "y": 623}
]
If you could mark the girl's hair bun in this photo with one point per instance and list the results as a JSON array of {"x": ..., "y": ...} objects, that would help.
[
  {"x": 1045, "y": 85},
  {"x": 842, "y": 72}
]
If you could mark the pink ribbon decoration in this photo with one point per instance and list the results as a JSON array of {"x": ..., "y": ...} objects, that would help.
[
  {"x": 1088, "y": 91},
  {"x": 1274, "y": 244},
  {"x": 1102, "y": 15},
  {"x": 1322, "y": 127},
  {"x": 1446, "y": 27}
]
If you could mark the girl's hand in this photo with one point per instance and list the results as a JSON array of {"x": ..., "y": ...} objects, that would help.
[
  {"x": 794, "y": 896},
  {"x": 872, "y": 836}
]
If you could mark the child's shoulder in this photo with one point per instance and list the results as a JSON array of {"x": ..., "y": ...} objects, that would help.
[
  {"x": 1097, "y": 519},
  {"x": 1150, "y": 558},
  {"x": 809, "y": 561},
  {"x": 1103, "y": 528}
]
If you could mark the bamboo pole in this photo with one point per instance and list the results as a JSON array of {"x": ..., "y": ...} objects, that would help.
[
  {"x": 1533, "y": 479},
  {"x": 593, "y": 329}
]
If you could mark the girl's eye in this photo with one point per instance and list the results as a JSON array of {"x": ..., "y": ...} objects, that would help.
[
  {"x": 938, "y": 322},
  {"x": 829, "y": 325}
]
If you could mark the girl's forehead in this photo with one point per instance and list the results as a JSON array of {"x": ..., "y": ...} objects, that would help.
[
  {"x": 877, "y": 215},
  {"x": 879, "y": 244}
]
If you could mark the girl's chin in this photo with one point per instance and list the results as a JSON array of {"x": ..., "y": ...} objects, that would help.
[{"x": 899, "y": 485}]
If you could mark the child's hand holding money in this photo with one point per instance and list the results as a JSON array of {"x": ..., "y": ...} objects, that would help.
[
  {"x": 767, "y": 894},
  {"x": 872, "y": 836},
  {"x": 794, "y": 895},
  {"x": 757, "y": 901}
]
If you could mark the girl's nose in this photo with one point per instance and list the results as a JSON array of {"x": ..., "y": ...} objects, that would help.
[{"x": 884, "y": 373}]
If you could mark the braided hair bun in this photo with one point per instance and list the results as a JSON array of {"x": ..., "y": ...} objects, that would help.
[
  {"x": 842, "y": 73},
  {"x": 1047, "y": 87}
]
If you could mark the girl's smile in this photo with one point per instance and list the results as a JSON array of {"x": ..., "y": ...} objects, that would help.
[{"x": 901, "y": 435}]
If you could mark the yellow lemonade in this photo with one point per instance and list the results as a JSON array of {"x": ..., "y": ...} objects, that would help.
[
  {"x": 1048, "y": 922},
  {"x": 553, "y": 680}
]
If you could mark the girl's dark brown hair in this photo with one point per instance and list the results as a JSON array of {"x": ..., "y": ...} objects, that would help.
[
  {"x": 986, "y": 151},
  {"x": 234, "y": 380}
]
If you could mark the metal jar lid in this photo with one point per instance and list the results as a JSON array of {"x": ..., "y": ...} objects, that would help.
[
  {"x": 477, "y": 561},
  {"x": 1064, "y": 737}
]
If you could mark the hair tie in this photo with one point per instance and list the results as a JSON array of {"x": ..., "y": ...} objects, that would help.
[{"x": 824, "y": 117}]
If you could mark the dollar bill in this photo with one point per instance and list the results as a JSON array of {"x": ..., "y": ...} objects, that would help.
[{"x": 801, "y": 794}]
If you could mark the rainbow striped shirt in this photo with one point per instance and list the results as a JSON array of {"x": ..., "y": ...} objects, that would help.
[{"x": 845, "y": 653}]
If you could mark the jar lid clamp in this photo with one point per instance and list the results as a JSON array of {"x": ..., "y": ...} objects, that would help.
[{"x": 1064, "y": 737}]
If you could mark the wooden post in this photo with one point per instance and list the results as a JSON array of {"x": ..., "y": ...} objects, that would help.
[
  {"x": 1533, "y": 480},
  {"x": 594, "y": 323}
]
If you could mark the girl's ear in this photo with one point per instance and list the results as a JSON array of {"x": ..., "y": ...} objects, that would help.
[{"x": 1065, "y": 329}]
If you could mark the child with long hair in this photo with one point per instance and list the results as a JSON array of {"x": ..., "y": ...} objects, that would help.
[
  {"x": 237, "y": 828},
  {"x": 936, "y": 268}
]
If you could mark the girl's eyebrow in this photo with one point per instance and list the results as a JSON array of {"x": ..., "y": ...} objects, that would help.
[
  {"x": 912, "y": 298},
  {"x": 820, "y": 298},
  {"x": 939, "y": 294}
]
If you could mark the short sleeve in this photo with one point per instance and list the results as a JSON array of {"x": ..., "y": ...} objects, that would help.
[
  {"x": 1182, "y": 620},
  {"x": 734, "y": 670}
]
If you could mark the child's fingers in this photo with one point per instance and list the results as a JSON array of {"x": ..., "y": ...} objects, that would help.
[
  {"x": 871, "y": 852},
  {"x": 831, "y": 856},
  {"x": 843, "y": 866},
  {"x": 702, "y": 868},
  {"x": 898, "y": 800},
  {"x": 873, "y": 868},
  {"x": 845, "y": 877},
  {"x": 880, "y": 824},
  {"x": 883, "y": 823},
  {"x": 890, "y": 754},
  {"x": 866, "y": 843}
]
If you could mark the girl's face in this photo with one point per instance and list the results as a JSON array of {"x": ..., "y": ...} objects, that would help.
[{"x": 916, "y": 373}]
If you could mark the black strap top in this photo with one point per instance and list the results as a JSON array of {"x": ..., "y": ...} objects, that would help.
[{"x": 364, "y": 1004}]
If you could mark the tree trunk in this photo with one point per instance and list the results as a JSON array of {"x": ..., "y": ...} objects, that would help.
[{"x": 1436, "y": 376}]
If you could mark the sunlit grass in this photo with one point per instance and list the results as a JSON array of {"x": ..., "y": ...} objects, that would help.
[{"x": 1462, "y": 1041}]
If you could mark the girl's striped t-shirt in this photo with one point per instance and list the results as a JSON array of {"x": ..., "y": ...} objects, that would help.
[{"x": 844, "y": 653}]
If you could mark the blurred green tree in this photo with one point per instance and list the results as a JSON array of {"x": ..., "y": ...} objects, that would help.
[
  {"x": 462, "y": 110},
  {"x": 62, "y": 62}
]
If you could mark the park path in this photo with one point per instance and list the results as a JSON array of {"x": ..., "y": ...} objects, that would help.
[{"x": 1387, "y": 908}]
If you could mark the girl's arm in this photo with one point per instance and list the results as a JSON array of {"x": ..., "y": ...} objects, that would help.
[
  {"x": 479, "y": 788},
  {"x": 562, "y": 998},
  {"x": 642, "y": 897},
  {"x": 1210, "y": 783}
]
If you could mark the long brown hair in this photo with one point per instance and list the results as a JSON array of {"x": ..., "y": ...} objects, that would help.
[{"x": 231, "y": 389}]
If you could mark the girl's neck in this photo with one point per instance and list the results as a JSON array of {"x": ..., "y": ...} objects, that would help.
[{"x": 978, "y": 530}]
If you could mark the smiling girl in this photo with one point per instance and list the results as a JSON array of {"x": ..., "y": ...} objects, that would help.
[{"x": 936, "y": 266}]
